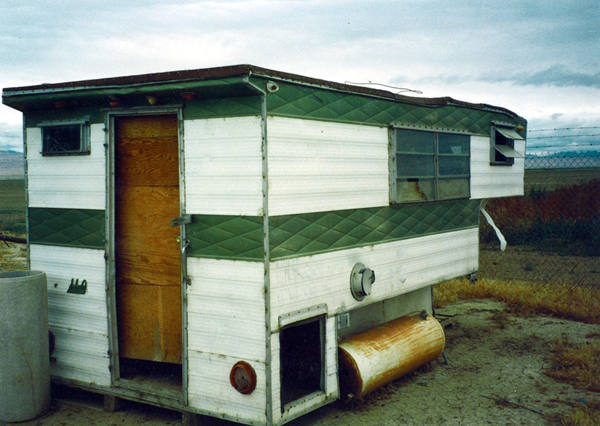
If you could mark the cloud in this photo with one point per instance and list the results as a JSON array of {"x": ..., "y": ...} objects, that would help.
[
  {"x": 69, "y": 40},
  {"x": 532, "y": 52},
  {"x": 11, "y": 137},
  {"x": 559, "y": 76},
  {"x": 556, "y": 76}
]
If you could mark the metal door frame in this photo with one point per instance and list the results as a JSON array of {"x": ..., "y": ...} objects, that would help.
[{"x": 113, "y": 337}]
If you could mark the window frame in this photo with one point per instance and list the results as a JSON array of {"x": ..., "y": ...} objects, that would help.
[
  {"x": 84, "y": 137},
  {"x": 437, "y": 177},
  {"x": 508, "y": 133}
]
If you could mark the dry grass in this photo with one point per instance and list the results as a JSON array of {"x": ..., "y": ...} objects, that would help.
[
  {"x": 588, "y": 414},
  {"x": 576, "y": 364},
  {"x": 12, "y": 257},
  {"x": 524, "y": 298}
]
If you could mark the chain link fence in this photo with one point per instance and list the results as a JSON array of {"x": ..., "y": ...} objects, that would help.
[{"x": 553, "y": 232}]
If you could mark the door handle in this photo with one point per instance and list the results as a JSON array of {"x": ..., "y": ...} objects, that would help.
[{"x": 186, "y": 244}]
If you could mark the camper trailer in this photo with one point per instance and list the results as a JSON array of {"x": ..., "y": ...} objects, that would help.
[{"x": 249, "y": 244}]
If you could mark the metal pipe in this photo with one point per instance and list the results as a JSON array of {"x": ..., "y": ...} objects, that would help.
[
  {"x": 12, "y": 239},
  {"x": 385, "y": 353}
]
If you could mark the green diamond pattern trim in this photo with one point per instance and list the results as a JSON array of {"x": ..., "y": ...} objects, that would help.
[
  {"x": 67, "y": 227},
  {"x": 307, "y": 234},
  {"x": 223, "y": 107},
  {"x": 226, "y": 237},
  {"x": 234, "y": 237},
  {"x": 311, "y": 103}
]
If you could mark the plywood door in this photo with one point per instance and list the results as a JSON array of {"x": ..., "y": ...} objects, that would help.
[{"x": 147, "y": 253}]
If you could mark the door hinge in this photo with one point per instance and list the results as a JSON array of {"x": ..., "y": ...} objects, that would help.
[{"x": 181, "y": 220}]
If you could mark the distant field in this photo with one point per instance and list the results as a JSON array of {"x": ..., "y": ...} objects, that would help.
[
  {"x": 563, "y": 221},
  {"x": 12, "y": 206},
  {"x": 551, "y": 179}
]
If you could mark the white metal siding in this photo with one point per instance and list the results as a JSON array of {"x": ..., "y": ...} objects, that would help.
[
  {"x": 489, "y": 181},
  {"x": 399, "y": 267},
  {"x": 72, "y": 181},
  {"x": 209, "y": 388},
  {"x": 79, "y": 321},
  {"x": 223, "y": 166},
  {"x": 226, "y": 324},
  {"x": 321, "y": 166}
]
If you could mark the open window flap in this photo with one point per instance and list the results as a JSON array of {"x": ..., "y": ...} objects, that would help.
[
  {"x": 510, "y": 134},
  {"x": 493, "y": 225},
  {"x": 507, "y": 151}
]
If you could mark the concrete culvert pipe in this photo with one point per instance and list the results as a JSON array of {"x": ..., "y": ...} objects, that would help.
[
  {"x": 24, "y": 364},
  {"x": 375, "y": 357}
]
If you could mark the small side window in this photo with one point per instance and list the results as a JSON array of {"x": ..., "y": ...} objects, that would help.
[
  {"x": 502, "y": 149},
  {"x": 65, "y": 138}
]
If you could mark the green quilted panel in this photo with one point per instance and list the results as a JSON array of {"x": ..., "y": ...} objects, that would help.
[
  {"x": 300, "y": 235},
  {"x": 67, "y": 227},
  {"x": 223, "y": 107},
  {"x": 229, "y": 237},
  {"x": 236, "y": 237},
  {"x": 308, "y": 102}
]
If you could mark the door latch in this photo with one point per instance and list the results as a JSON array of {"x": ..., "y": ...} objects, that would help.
[
  {"x": 181, "y": 220},
  {"x": 184, "y": 246}
]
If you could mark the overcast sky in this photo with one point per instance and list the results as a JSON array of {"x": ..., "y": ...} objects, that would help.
[{"x": 540, "y": 59}]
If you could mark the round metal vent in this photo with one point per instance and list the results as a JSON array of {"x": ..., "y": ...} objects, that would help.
[{"x": 361, "y": 280}]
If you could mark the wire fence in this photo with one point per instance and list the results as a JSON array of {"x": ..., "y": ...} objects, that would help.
[{"x": 553, "y": 232}]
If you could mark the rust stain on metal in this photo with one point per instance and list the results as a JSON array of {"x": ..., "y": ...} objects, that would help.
[{"x": 385, "y": 353}]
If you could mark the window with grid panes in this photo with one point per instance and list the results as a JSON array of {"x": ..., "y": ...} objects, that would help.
[{"x": 429, "y": 166}]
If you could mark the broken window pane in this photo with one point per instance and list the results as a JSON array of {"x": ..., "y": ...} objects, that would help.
[
  {"x": 430, "y": 166},
  {"x": 414, "y": 190},
  {"x": 455, "y": 144}
]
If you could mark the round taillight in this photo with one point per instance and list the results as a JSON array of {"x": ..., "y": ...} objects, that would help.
[{"x": 243, "y": 377}]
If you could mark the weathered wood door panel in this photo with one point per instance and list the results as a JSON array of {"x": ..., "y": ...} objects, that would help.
[{"x": 147, "y": 253}]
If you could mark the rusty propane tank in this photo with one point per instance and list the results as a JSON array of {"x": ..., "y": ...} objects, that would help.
[{"x": 375, "y": 357}]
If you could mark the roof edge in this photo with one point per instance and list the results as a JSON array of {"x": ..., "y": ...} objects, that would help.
[
  {"x": 237, "y": 71},
  {"x": 162, "y": 77}
]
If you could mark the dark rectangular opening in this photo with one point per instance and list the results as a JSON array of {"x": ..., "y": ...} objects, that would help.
[
  {"x": 301, "y": 359},
  {"x": 502, "y": 140},
  {"x": 161, "y": 375}
]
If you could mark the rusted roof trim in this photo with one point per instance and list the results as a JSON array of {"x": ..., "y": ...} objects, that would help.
[
  {"x": 141, "y": 79},
  {"x": 238, "y": 71}
]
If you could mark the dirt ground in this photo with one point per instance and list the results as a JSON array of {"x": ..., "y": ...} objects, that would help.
[{"x": 494, "y": 376}]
